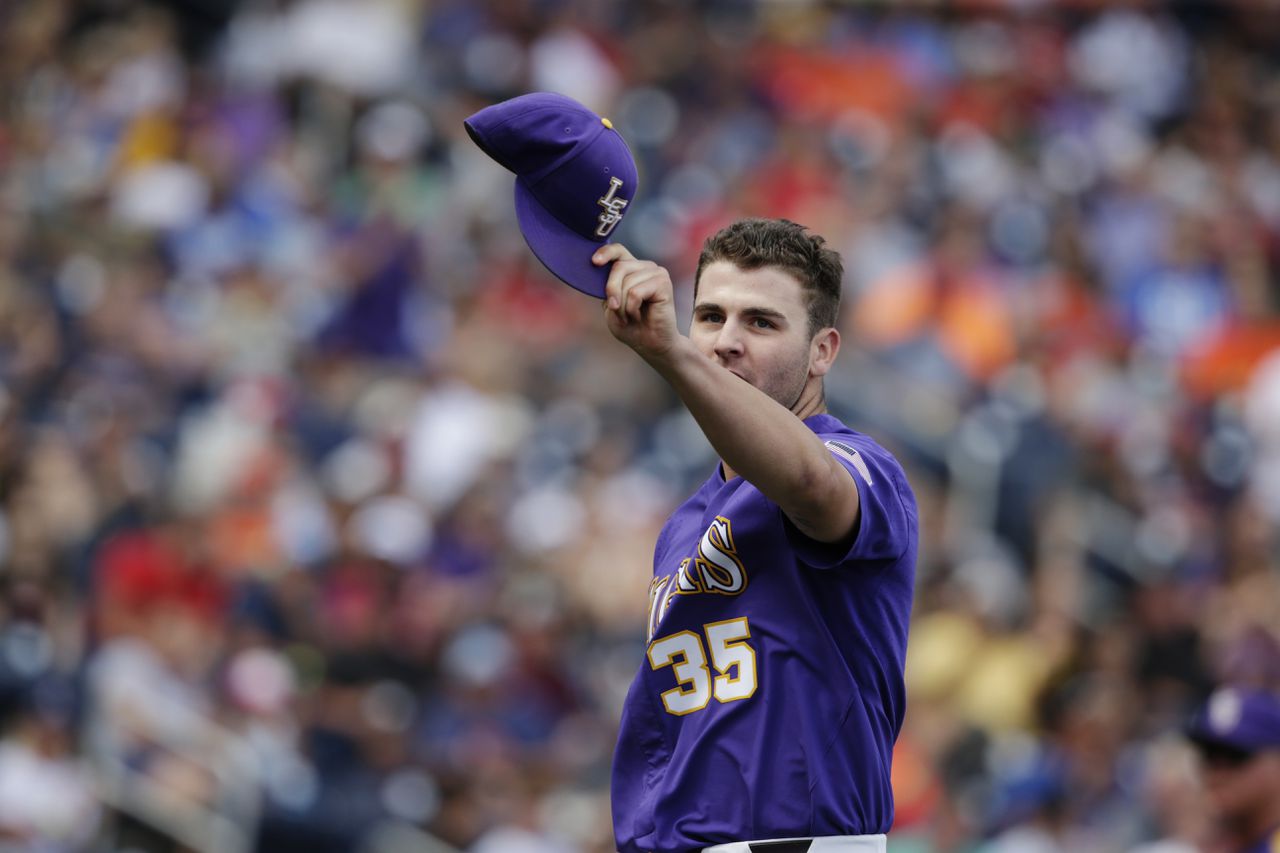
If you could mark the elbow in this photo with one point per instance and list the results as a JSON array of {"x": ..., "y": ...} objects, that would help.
[
  {"x": 824, "y": 483},
  {"x": 825, "y": 504}
]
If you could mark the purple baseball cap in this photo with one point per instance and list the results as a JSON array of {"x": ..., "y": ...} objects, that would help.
[
  {"x": 575, "y": 178},
  {"x": 1239, "y": 719}
]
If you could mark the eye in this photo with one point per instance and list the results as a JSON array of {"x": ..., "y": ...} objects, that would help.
[
  {"x": 710, "y": 317},
  {"x": 761, "y": 323}
]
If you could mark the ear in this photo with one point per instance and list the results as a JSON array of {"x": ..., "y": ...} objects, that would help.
[{"x": 823, "y": 350}]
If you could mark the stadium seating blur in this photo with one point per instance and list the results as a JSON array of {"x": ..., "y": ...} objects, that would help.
[{"x": 326, "y": 514}]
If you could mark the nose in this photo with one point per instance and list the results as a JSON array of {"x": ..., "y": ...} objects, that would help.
[{"x": 728, "y": 343}]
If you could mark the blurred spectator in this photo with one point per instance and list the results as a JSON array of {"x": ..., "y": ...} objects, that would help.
[
  {"x": 47, "y": 797},
  {"x": 1237, "y": 733}
]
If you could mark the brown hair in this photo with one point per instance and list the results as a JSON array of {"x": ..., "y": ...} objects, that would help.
[{"x": 752, "y": 244}]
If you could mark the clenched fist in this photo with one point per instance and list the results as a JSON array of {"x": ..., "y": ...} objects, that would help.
[{"x": 639, "y": 303}]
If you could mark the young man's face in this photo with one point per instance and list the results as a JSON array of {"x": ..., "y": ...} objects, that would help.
[{"x": 755, "y": 323}]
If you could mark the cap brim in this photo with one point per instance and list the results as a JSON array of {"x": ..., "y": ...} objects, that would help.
[{"x": 564, "y": 252}]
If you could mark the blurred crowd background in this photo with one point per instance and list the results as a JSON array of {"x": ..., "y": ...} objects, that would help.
[{"x": 326, "y": 515}]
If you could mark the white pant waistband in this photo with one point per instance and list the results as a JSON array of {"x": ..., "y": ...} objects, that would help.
[{"x": 825, "y": 844}]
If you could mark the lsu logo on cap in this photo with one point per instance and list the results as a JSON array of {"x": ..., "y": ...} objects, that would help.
[{"x": 613, "y": 207}]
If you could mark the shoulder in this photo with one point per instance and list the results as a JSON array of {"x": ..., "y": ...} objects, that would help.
[
  {"x": 860, "y": 452},
  {"x": 832, "y": 430},
  {"x": 887, "y": 527}
]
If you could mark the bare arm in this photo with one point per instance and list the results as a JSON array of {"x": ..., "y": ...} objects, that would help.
[{"x": 755, "y": 436}]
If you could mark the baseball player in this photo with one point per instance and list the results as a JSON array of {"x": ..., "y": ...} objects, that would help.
[
  {"x": 764, "y": 714},
  {"x": 1237, "y": 732}
]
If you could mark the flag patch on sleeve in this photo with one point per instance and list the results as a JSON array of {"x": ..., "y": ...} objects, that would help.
[{"x": 854, "y": 458}]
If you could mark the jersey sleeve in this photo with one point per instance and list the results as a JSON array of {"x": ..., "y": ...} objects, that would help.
[{"x": 887, "y": 516}]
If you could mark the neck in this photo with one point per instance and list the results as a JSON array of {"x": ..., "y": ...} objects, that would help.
[{"x": 812, "y": 400}]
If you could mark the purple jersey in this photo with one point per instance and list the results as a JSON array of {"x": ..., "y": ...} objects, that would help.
[{"x": 772, "y": 690}]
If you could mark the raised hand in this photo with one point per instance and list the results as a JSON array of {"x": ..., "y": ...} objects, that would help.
[{"x": 639, "y": 303}]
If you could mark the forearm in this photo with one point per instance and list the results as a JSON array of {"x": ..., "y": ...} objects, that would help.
[{"x": 756, "y": 437}]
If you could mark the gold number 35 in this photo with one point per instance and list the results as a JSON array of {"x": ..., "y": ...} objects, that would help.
[{"x": 684, "y": 652}]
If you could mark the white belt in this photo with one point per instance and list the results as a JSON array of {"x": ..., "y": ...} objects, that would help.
[{"x": 826, "y": 844}]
